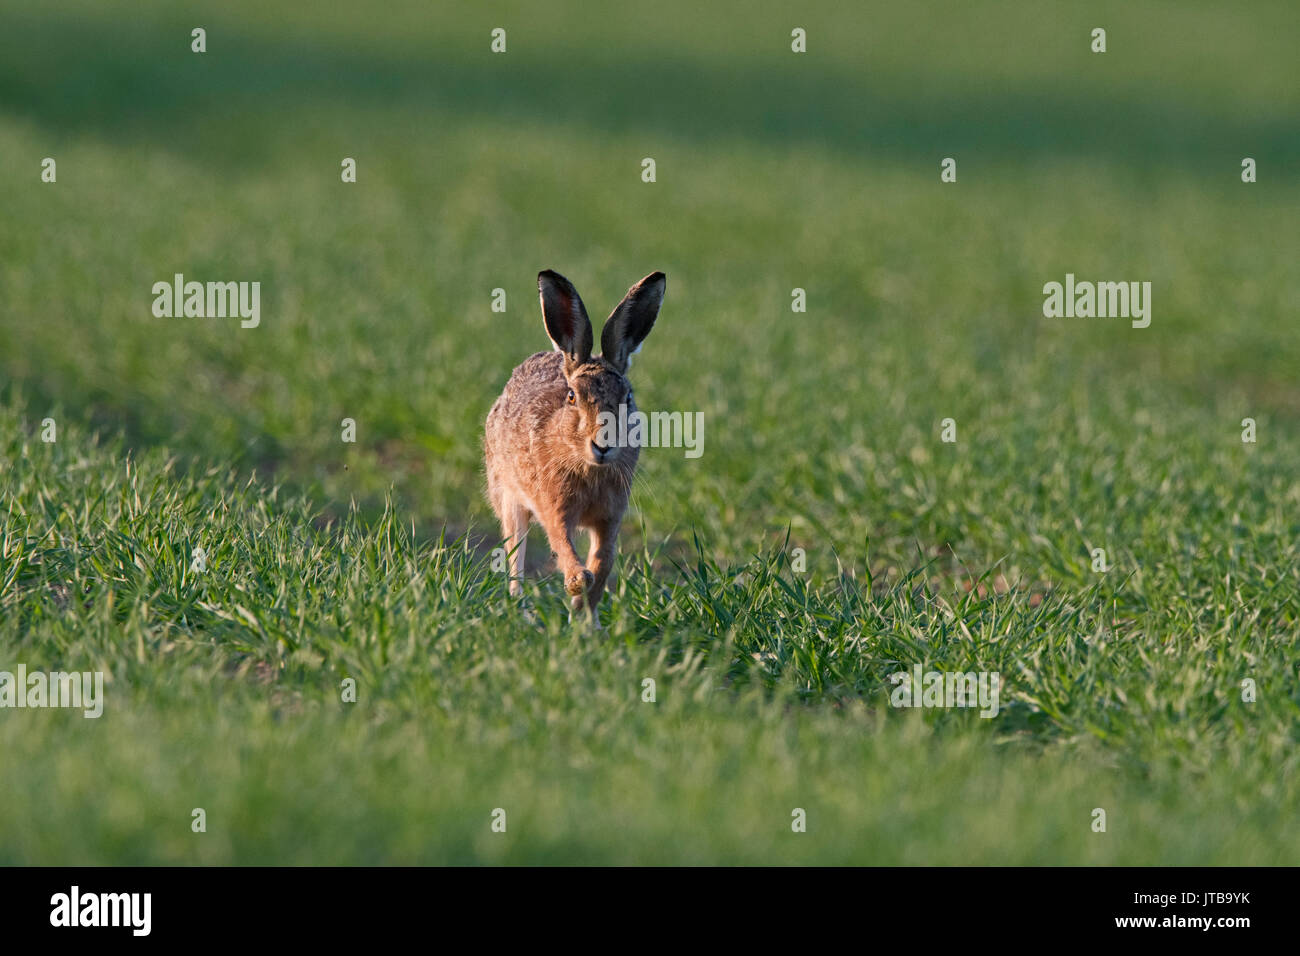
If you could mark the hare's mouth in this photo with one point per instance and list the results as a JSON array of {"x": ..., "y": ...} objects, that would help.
[{"x": 601, "y": 454}]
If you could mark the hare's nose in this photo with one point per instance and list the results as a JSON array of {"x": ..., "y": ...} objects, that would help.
[{"x": 599, "y": 450}]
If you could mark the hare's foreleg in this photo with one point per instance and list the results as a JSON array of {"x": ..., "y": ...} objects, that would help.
[
  {"x": 600, "y": 560},
  {"x": 559, "y": 532}
]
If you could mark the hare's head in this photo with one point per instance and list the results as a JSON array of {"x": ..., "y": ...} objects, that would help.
[{"x": 598, "y": 385}]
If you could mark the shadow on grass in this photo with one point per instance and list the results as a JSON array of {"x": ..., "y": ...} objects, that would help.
[{"x": 133, "y": 82}]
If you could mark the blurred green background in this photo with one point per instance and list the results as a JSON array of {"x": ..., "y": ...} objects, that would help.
[{"x": 774, "y": 171}]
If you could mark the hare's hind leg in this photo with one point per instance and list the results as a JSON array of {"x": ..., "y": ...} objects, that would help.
[{"x": 514, "y": 530}]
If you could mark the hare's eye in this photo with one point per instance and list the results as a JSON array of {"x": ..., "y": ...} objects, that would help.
[{"x": 571, "y": 397}]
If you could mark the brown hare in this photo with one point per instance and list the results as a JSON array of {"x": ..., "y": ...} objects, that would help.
[{"x": 545, "y": 459}]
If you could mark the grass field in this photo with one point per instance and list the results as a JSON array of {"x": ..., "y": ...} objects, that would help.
[{"x": 1122, "y": 690}]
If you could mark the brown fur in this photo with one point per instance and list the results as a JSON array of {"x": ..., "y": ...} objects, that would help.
[{"x": 542, "y": 460}]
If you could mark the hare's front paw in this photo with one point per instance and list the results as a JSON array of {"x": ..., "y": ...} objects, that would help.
[{"x": 578, "y": 581}]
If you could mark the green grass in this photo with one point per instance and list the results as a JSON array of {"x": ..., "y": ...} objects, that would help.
[{"x": 328, "y": 560}]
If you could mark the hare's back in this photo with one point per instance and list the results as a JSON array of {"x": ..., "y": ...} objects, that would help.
[
  {"x": 538, "y": 378},
  {"x": 541, "y": 369},
  {"x": 536, "y": 388}
]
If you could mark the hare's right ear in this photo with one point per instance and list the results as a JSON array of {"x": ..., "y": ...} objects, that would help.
[{"x": 565, "y": 317}]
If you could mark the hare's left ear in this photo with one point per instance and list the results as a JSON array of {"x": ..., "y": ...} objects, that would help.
[{"x": 632, "y": 320}]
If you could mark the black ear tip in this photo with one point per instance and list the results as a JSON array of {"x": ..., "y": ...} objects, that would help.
[
  {"x": 649, "y": 283},
  {"x": 556, "y": 282}
]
